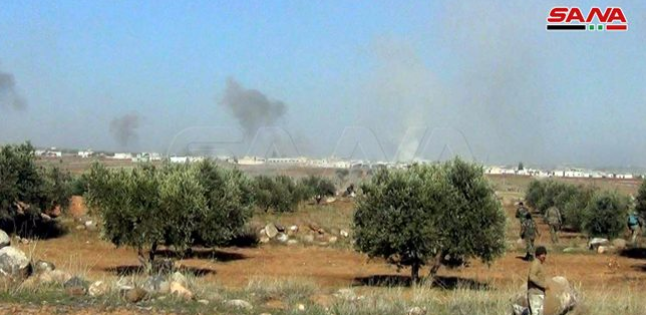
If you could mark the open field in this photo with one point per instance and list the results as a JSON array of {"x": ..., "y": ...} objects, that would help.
[{"x": 277, "y": 277}]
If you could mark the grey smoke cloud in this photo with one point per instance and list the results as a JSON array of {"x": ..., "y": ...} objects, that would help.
[
  {"x": 124, "y": 129},
  {"x": 251, "y": 108},
  {"x": 9, "y": 96}
]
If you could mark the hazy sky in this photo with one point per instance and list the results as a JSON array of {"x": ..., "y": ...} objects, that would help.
[{"x": 427, "y": 79}]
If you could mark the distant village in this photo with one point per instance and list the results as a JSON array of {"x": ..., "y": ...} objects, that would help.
[{"x": 145, "y": 157}]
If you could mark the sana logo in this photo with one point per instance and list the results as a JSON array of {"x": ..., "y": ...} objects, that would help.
[{"x": 596, "y": 19}]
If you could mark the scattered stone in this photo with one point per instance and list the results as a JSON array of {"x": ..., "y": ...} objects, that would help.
[
  {"x": 45, "y": 217},
  {"x": 240, "y": 304},
  {"x": 54, "y": 276},
  {"x": 203, "y": 302},
  {"x": 5, "y": 240},
  {"x": 98, "y": 288},
  {"x": 14, "y": 263},
  {"x": 80, "y": 227},
  {"x": 179, "y": 278},
  {"x": 90, "y": 225},
  {"x": 43, "y": 266},
  {"x": 301, "y": 307},
  {"x": 293, "y": 229},
  {"x": 292, "y": 242},
  {"x": 314, "y": 227},
  {"x": 282, "y": 237},
  {"x": 271, "y": 230},
  {"x": 264, "y": 239},
  {"x": 309, "y": 238},
  {"x": 619, "y": 243},
  {"x": 179, "y": 290},
  {"x": 262, "y": 232},
  {"x": 344, "y": 233},
  {"x": 560, "y": 299},
  {"x": 135, "y": 295},
  {"x": 76, "y": 286},
  {"x": 157, "y": 284},
  {"x": 596, "y": 242},
  {"x": 330, "y": 200},
  {"x": 280, "y": 228},
  {"x": 264, "y": 314},
  {"x": 125, "y": 284},
  {"x": 332, "y": 240},
  {"x": 417, "y": 311}
]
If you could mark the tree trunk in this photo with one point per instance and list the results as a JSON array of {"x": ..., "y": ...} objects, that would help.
[
  {"x": 152, "y": 253},
  {"x": 414, "y": 273},
  {"x": 435, "y": 267}
]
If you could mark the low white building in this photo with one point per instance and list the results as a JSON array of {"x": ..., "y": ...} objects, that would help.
[
  {"x": 122, "y": 156},
  {"x": 251, "y": 160},
  {"x": 85, "y": 154}
]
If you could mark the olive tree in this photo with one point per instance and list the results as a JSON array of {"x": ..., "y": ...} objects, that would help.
[
  {"x": 442, "y": 214},
  {"x": 27, "y": 189},
  {"x": 606, "y": 215},
  {"x": 313, "y": 186},
  {"x": 640, "y": 200},
  {"x": 174, "y": 205}
]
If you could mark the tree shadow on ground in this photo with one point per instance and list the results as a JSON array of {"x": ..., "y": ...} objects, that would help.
[
  {"x": 33, "y": 228},
  {"x": 201, "y": 253},
  {"x": 131, "y": 270},
  {"x": 441, "y": 282},
  {"x": 634, "y": 252}
]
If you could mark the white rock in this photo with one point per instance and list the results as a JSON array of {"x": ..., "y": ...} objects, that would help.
[
  {"x": 241, "y": 304},
  {"x": 271, "y": 230},
  {"x": 5, "y": 240},
  {"x": 264, "y": 239},
  {"x": 179, "y": 278},
  {"x": 332, "y": 240},
  {"x": 13, "y": 260},
  {"x": 292, "y": 242},
  {"x": 179, "y": 290},
  {"x": 203, "y": 302},
  {"x": 344, "y": 233},
  {"x": 301, "y": 307},
  {"x": 282, "y": 237},
  {"x": 98, "y": 288},
  {"x": 417, "y": 311}
]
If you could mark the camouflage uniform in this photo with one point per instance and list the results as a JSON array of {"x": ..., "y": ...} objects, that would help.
[
  {"x": 554, "y": 220},
  {"x": 528, "y": 233},
  {"x": 521, "y": 213}
]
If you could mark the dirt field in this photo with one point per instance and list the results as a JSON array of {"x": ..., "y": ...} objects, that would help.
[{"x": 330, "y": 268}]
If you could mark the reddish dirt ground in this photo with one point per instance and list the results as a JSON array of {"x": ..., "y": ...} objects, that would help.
[{"x": 83, "y": 252}]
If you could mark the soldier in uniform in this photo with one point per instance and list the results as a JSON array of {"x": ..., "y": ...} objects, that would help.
[
  {"x": 528, "y": 233},
  {"x": 554, "y": 220},
  {"x": 536, "y": 283},
  {"x": 521, "y": 212}
]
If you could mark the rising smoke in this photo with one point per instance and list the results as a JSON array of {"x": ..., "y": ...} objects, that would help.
[
  {"x": 124, "y": 129},
  {"x": 251, "y": 108},
  {"x": 9, "y": 96}
]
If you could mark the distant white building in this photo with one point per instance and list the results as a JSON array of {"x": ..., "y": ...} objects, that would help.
[
  {"x": 122, "y": 156},
  {"x": 288, "y": 160},
  {"x": 85, "y": 154},
  {"x": 251, "y": 160},
  {"x": 179, "y": 159}
]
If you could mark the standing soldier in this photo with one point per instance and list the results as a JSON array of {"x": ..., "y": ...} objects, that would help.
[
  {"x": 521, "y": 212},
  {"x": 554, "y": 220},
  {"x": 536, "y": 283},
  {"x": 634, "y": 225},
  {"x": 528, "y": 232}
]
